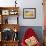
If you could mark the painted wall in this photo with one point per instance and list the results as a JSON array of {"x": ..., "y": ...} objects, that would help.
[{"x": 27, "y": 4}]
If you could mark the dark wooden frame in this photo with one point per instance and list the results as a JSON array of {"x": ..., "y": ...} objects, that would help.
[
  {"x": 30, "y": 9},
  {"x": 8, "y": 12}
]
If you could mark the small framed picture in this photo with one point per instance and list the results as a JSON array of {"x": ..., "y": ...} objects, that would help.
[
  {"x": 5, "y": 12},
  {"x": 13, "y": 12},
  {"x": 29, "y": 13}
]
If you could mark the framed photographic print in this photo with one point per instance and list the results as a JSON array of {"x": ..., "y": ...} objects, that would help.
[
  {"x": 29, "y": 13},
  {"x": 5, "y": 12}
]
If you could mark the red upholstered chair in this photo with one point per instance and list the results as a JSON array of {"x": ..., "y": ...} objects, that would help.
[{"x": 29, "y": 33}]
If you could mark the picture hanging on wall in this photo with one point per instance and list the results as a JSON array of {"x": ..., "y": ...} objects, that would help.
[{"x": 29, "y": 13}]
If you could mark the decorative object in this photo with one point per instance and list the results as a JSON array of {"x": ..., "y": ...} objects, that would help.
[
  {"x": 9, "y": 19},
  {"x": 30, "y": 38},
  {"x": 29, "y": 13},
  {"x": 7, "y": 34},
  {"x": 5, "y": 12},
  {"x": 13, "y": 12},
  {"x": 15, "y": 37},
  {"x": 15, "y": 30},
  {"x": 31, "y": 41},
  {"x": 15, "y": 3},
  {"x": 6, "y": 21}
]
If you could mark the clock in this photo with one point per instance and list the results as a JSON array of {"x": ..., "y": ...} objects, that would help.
[{"x": 5, "y": 12}]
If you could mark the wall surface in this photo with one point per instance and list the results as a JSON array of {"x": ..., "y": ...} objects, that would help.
[
  {"x": 27, "y": 4},
  {"x": 39, "y": 13}
]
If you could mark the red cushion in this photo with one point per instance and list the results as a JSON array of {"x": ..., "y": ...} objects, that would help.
[{"x": 29, "y": 33}]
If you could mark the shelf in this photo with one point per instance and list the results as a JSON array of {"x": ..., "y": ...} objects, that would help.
[
  {"x": 10, "y": 26},
  {"x": 6, "y": 23},
  {"x": 11, "y": 41},
  {"x": 2, "y": 8},
  {"x": 6, "y": 12},
  {"x": 10, "y": 20},
  {"x": 9, "y": 10}
]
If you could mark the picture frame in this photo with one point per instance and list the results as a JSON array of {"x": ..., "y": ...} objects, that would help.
[
  {"x": 29, "y": 13},
  {"x": 13, "y": 12},
  {"x": 5, "y": 12}
]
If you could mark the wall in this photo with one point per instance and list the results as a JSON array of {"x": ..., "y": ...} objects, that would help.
[
  {"x": 27, "y": 4},
  {"x": 39, "y": 13}
]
